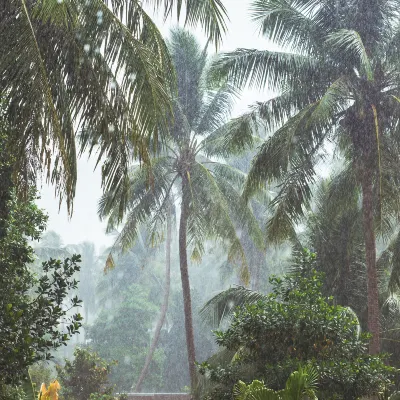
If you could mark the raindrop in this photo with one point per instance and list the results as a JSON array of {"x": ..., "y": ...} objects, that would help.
[
  {"x": 97, "y": 50},
  {"x": 113, "y": 85},
  {"x": 132, "y": 77},
  {"x": 111, "y": 128},
  {"x": 59, "y": 1},
  {"x": 99, "y": 14},
  {"x": 231, "y": 304},
  {"x": 86, "y": 47},
  {"x": 294, "y": 139},
  {"x": 99, "y": 21}
]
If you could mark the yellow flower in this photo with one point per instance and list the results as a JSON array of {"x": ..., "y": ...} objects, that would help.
[{"x": 51, "y": 393}]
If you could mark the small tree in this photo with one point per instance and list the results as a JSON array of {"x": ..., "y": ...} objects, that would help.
[
  {"x": 30, "y": 308},
  {"x": 271, "y": 335},
  {"x": 86, "y": 374}
]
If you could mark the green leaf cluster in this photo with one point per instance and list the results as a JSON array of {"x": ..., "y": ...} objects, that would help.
[
  {"x": 272, "y": 336},
  {"x": 31, "y": 308},
  {"x": 85, "y": 375}
]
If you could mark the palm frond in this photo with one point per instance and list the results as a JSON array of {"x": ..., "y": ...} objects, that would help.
[
  {"x": 218, "y": 221},
  {"x": 235, "y": 137},
  {"x": 389, "y": 264},
  {"x": 289, "y": 24},
  {"x": 299, "y": 139},
  {"x": 216, "y": 109},
  {"x": 222, "y": 306},
  {"x": 349, "y": 45},
  {"x": 144, "y": 203},
  {"x": 210, "y": 14},
  {"x": 61, "y": 70},
  {"x": 263, "y": 69}
]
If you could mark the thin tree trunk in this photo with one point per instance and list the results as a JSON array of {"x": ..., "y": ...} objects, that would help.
[
  {"x": 183, "y": 261},
  {"x": 164, "y": 306},
  {"x": 370, "y": 258},
  {"x": 86, "y": 322}
]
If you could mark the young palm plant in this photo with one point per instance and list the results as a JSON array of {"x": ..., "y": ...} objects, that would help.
[
  {"x": 337, "y": 81},
  {"x": 209, "y": 190},
  {"x": 100, "y": 66}
]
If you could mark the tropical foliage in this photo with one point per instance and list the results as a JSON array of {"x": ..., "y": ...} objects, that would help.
[
  {"x": 31, "y": 309},
  {"x": 347, "y": 50},
  {"x": 211, "y": 205},
  {"x": 85, "y": 375},
  {"x": 270, "y": 336},
  {"x": 100, "y": 67},
  {"x": 300, "y": 385}
]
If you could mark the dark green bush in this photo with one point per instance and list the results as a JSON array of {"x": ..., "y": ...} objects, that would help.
[
  {"x": 295, "y": 325},
  {"x": 87, "y": 374}
]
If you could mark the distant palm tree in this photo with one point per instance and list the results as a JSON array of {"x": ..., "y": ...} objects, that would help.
[
  {"x": 209, "y": 190},
  {"x": 98, "y": 66},
  {"x": 337, "y": 79}
]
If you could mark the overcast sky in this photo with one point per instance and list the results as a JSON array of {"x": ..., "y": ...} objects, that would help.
[{"x": 85, "y": 224}]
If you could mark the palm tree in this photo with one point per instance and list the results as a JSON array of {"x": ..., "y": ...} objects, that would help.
[
  {"x": 99, "y": 67},
  {"x": 337, "y": 81},
  {"x": 211, "y": 205}
]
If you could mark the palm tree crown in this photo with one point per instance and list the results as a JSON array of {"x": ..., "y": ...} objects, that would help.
[{"x": 211, "y": 205}]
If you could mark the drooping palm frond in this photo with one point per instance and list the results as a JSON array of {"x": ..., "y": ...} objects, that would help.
[
  {"x": 217, "y": 107},
  {"x": 221, "y": 307},
  {"x": 263, "y": 68},
  {"x": 211, "y": 15},
  {"x": 349, "y": 45},
  {"x": 99, "y": 66},
  {"x": 235, "y": 137},
  {"x": 148, "y": 191},
  {"x": 218, "y": 221},
  {"x": 389, "y": 264},
  {"x": 289, "y": 24}
]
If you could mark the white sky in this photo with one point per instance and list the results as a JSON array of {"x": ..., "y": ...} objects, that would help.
[{"x": 85, "y": 224}]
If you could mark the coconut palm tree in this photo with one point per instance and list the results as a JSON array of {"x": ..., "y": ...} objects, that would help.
[
  {"x": 336, "y": 81},
  {"x": 99, "y": 67},
  {"x": 209, "y": 191}
]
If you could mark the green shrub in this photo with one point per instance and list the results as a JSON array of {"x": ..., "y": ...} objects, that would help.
[
  {"x": 87, "y": 374},
  {"x": 294, "y": 325}
]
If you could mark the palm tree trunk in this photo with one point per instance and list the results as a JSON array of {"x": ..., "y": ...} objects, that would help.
[
  {"x": 183, "y": 261},
  {"x": 370, "y": 258},
  {"x": 164, "y": 306}
]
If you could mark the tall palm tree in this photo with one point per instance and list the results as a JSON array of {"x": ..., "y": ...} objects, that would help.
[
  {"x": 211, "y": 205},
  {"x": 337, "y": 81},
  {"x": 100, "y": 67}
]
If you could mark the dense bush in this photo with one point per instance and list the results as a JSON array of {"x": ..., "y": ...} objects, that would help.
[
  {"x": 294, "y": 325},
  {"x": 87, "y": 374}
]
